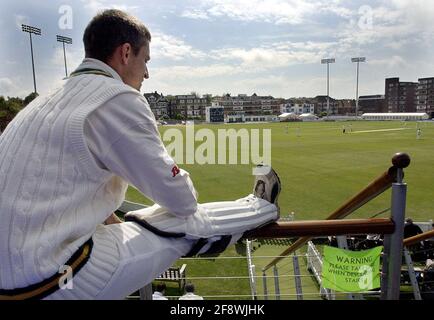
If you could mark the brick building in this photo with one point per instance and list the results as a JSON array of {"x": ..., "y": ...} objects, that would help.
[{"x": 400, "y": 96}]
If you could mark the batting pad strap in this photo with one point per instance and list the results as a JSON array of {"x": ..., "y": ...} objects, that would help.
[
  {"x": 209, "y": 247},
  {"x": 197, "y": 247},
  {"x": 153, "y": 229},
  {"x": 219, "y": 246}
]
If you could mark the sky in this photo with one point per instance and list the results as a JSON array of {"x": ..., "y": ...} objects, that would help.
[{"x": 268, "y": 47}]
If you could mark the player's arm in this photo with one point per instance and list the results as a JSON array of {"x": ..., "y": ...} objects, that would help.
[{"x": 124, "y": 139}]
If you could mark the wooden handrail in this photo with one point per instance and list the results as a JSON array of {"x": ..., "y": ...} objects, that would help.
[
  {"x": 315, "y": 228},
  {"x": 375, "y": 188},
  {"x": 418, "y": 238}
]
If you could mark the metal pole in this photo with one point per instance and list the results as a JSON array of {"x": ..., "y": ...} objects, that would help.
[
  {"x": 298, "y": 287},
  {"x": 276, "y": 283},
  {"x": 33, "y": 63},
  {"x": 64, "y": 57},
  {"x": 253, "y": 272},
  {"x": 399, "y": 193},
  {"x": 412, "y": 275},
  {"x": 328, "y": 89},
  {"x": 264, "y": 283},
  {"x": 384, "y": 267},
  {"x": 357, "y": 90}
]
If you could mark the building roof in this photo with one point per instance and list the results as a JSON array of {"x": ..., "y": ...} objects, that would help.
[
  {"x": 287, "y": 115},
  {"x": 307, "y": 115},
  {"x": 372, "y": 97},
  {"x": 405, "y": 114}
]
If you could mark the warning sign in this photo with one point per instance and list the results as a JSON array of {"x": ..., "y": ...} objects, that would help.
[{"x": 351, "y": 271}]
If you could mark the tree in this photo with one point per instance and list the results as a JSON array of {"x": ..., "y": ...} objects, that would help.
[
  {"x": 3, "y": 113},
  {"x": 30, "y": 98},
  {"x": 9, "y": 109}
]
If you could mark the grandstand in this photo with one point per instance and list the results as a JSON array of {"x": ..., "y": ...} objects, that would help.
[{"x": 403, "y": 116}]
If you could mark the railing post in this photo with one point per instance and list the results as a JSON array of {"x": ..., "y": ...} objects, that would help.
[
  {"x": 399, "y": 193},
  {"x": 385, "y": 265},
  {"x": 264, "y": 283},
  {"x": 298, "y": 287},
  {"x": 251, "y": 270},
  {"x": 412, "y": 275},
  {"x": 315, "y": 263},
  {"x": 276, "y": 282}
]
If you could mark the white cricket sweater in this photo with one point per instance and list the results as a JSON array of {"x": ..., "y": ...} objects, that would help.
[{"x": 64, "y": 168}]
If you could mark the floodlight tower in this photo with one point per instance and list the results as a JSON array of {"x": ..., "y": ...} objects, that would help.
[
  {"x": 328, "y": 61},
  {"x": 67, "y": 41},
  {"x": 36, "y": 31},
  {"x": 358, "y": 60}
]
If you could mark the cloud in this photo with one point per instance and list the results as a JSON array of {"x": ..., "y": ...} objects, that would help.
[
  {"x": 21, "y": 19},
  {"x": 74, "y": 57},
  {"x": 394, "y": 24},
  {"x": 273, "y": 11},
  {"x": 262, "y": 85},
  {"x": 294, "y": 12},
  {"x": 95, "y": 6},
  {"x": 393, "y": 62},
  {"x": 195, "y": 14},
  {"x": 275, "y": 55},
  {"x": 170, "y": 47},
  {"x": 177, "y": 73},
  {"x": 416, "y": 14},
  {"x": 8, "y": 87}
]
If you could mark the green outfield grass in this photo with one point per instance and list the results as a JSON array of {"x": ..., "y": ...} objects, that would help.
[{"x": 319, "y": 170}]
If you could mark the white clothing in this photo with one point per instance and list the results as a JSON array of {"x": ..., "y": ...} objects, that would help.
[
  {"x": 135, "y": 257},
  {"x": 158, "y": 296},
  {"x": 208, "y": 222},
  {"x": 124, "y": 130},
  {"x": 53, "y": 192},
  {"x": 125, "y": 258},
  {"x": 65, "y": 162},
  {"x": 190, "y": 296}
]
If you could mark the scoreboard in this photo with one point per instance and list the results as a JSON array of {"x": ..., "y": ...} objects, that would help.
[{"x": 215, "y": 114}]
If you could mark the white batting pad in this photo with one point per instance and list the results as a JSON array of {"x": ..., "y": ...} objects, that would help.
[{"x": 211, "y": 219}]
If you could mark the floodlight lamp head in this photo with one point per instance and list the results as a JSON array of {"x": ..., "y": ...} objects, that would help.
[
  {"x": 30, "y": 29},
  {"x": 326, "y": 61}
]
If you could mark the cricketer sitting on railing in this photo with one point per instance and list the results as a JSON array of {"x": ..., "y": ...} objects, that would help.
[{"x": 65, "y": 164}]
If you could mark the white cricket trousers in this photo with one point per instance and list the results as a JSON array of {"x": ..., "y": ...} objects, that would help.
[{"x": 126, "y": 257}]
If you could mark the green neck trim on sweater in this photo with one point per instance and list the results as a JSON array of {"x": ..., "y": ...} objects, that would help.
[{"x": 80, "y": 72}]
